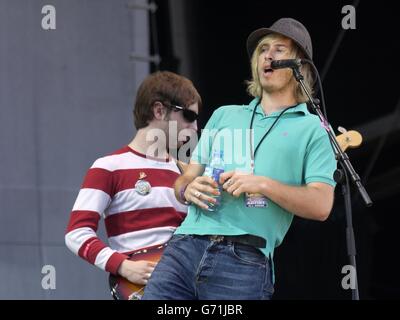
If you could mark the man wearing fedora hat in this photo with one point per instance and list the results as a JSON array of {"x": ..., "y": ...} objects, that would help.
[{"x": 284, "y": 167}]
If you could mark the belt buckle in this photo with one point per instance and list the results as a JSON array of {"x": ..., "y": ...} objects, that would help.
[{"x": 216, "y": 238}]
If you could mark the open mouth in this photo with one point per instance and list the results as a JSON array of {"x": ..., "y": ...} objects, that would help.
[{"x": 268, "y": 71}]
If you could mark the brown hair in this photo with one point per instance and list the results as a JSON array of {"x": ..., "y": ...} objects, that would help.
[
  {"x": 254, "y": 85},
  {"x": 167, "y": 88}
]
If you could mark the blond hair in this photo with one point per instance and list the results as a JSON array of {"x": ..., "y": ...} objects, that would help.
[{"x": 254, "y": 87}]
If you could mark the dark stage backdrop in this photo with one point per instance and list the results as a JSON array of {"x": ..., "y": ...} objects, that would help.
[{"x": 359, "y": 68}]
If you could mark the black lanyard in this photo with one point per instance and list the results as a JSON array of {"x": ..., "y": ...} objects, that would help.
[{"x": 253, "y": 154}]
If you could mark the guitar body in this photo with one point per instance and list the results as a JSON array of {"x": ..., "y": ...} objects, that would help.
[{"x": 122, "y": 289}]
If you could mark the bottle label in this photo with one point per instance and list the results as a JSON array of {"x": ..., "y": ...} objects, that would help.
[{"x": 214, "y": 173}]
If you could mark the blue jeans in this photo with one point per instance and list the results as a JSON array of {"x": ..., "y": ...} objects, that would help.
[{"x": 194, "y": 267}]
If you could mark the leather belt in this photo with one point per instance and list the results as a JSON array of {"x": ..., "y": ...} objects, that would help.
[{"x": 246, "y": 239}]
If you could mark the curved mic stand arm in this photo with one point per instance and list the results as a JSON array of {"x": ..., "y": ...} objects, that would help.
[{"x": 339, "y": 154}]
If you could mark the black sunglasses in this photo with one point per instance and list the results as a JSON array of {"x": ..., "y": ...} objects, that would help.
[{"x": 189, "y": 115}]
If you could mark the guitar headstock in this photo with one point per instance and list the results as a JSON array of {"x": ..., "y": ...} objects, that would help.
[{"x": 348, "y": 139}]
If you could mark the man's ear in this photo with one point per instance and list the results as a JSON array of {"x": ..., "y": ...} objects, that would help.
[{"x": 159, "y": 111}]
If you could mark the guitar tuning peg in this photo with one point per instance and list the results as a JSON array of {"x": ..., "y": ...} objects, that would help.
[{"x": 341, "y": 129}]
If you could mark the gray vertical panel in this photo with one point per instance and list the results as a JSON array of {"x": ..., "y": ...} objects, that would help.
[
  {"x": 17, "y": 149},
  {"x": 66, "y": 97},
  {"x": 140, "y": 44},
  {"x": 20, "y": 272},
  {"x": 180, "y": 34},
  {"x": 18, "y": 218}
]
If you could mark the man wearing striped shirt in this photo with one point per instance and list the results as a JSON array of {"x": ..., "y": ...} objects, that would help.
[{"x": 132, "y": 188}]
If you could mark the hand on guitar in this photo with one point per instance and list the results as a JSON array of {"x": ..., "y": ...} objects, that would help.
[
  {"x": 137, "y": 272},
  {"x": 134, "y": 273}
]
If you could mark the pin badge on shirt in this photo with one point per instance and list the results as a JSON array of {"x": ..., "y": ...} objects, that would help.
[{"x": 142, "y": 186}]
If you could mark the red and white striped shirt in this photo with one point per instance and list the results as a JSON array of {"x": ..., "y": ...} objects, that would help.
[{"x": 133, "y": 221}]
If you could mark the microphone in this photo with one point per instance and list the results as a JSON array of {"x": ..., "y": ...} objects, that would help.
[{"x": 287, "y": 63}]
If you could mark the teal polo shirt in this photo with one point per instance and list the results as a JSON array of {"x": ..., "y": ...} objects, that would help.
[{"x": 297, "y": 151}]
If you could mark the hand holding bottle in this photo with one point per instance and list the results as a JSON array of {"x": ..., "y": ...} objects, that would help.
[{"x": 202, "y": 192}]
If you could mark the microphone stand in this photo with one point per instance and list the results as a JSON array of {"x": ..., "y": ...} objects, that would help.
[{"x": 341, "y": 176}]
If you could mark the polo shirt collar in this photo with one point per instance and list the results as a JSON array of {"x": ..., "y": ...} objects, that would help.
[{"x": 300, "y": 108}]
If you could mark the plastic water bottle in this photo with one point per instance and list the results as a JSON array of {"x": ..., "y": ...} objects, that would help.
[{"x": 214, "y": 170}]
